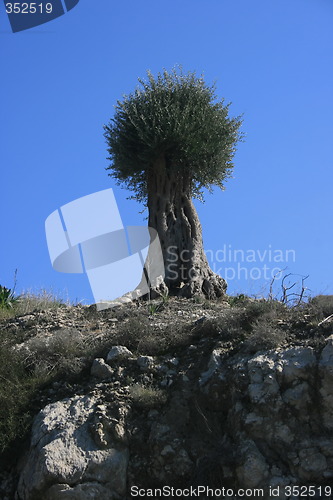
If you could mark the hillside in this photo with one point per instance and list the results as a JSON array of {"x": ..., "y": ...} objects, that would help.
[{"x": 174, "y": 393}]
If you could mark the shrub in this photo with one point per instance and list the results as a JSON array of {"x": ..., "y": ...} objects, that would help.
[
  {"x": 264, "y": 336},
  {"x": 66, "y": 352},
  {"x": 238, "y": 300},
  {"x": 29, "y": 302},
  {"x": 147, "y": 397},
  {"x": 269, "y": 309},
  {"x": 7, "y": 298},
  {"x": 321, "y": 306},
  {"x": 17, "y": 390}
]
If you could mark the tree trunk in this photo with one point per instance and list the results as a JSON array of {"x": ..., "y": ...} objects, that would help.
[{"x": 174, "y": 217}]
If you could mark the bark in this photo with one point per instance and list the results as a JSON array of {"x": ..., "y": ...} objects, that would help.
[{"x": 174, "y": 217}]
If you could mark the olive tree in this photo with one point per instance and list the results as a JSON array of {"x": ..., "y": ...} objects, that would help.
[{"x": 167, "y": 141}]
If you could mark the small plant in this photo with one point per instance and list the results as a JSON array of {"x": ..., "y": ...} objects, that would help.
[
  {"x": 7, "y": 295},
  {"x": 264, "y": 336},
  {"x": 153, "y": 308},
  {"x": 7, "y": 298},
  {"x": 322, "y": 305},
  {"x": 66, "y": 352},
  {"x": 198, "y": 299},
  {"x": 238, "y": 300},
  {"x": 39, "y": 300},
  {"x": 17, "y": 390},
  {"x": 147, "y": 397},
  {"x": 165, "y": 297}
]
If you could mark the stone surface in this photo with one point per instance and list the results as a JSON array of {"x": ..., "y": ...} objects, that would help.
[
  {"x": 100, "y": 369},
  {"x": 117, "y": 353},
  {"x": 145, "y": 362},
  {"x": 64, "y": 456},
  {"x": 275, "y": 407}
]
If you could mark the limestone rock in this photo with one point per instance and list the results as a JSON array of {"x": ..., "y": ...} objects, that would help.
[
  {"x": 145, "y": 362},
  {"x": 255, "y": 467},
  {"x": 117, "y": 353},
  {"x": 100, "y": 369},
  {"x": 213, "y": 365},
  {"x": 64, "y": 458}
]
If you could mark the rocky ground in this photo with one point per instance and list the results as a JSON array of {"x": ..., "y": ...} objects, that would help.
[{"x": 179, "y": 393}]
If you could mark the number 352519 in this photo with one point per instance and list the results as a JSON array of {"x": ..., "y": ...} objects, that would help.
[{"x": 28, "y": 8}]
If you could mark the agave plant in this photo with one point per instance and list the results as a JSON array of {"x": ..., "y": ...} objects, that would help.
[{"x": 7, "y": 297}]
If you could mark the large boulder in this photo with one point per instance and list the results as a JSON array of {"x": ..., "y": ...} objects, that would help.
[{"x": 75, "y": 453}]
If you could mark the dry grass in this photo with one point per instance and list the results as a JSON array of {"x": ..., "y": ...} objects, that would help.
[
  {"x": 147, "y": 397},
  {"x": 29, "y": 302}
]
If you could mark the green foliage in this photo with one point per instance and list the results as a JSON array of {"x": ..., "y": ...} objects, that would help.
[
  {"x": 16, "y": 392},
  {"x": 147, "y": 397},
  {"x": 165, "y": 298},
  {"x": 321, "y": 305},
  {"x": 177, "y": 116},
  {"x": 153, "y": 308},
  {"x": 67, "y": 352},
  {"x": 28, "y": 302},
  {"x": 238, "y": 300},
  {"x": 24, "y": 374},
  {"x": 7, "y": 298},
  {"x": 264, "y": 335}
]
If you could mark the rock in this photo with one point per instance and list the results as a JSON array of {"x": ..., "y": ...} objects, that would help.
[
  {"x": 213, "y": 365},
  {"x": 312, "y": 463},
  {"x": 297, "y": 363},
  {"x": 255, "y": 467},
  {"x": 64, "y": 460},
  {"x": 298, "y": 396},
  {"x": 117, "y": 353},
  {"x": 168, "y": 451},
  {"x": 146, "y": 362},
  {"x": 159, "y": 431},
  {"x": 112, "y": 304},
  {"x": 86, "y": 491},
  {"x": 172, "y": 361},
  {"x": 326, "y": 374},
  {"x": 153, "y": 414},
  {"x": 182, "y": 464},
  {"x": 100, "y": 369},
  {"x": 224, "y": 416},
  {"x": 158, "y": 288}
]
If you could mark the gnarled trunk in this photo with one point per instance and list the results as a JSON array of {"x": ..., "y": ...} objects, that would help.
[{"x": 174, "y": 217}]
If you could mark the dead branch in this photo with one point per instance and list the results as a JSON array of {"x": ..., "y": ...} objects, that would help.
[{"x": 326, "y": 319}]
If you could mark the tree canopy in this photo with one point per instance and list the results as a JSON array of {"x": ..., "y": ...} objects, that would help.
[{"x": 179, "y": 116}]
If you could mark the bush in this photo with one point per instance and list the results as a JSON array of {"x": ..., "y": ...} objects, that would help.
[
  {"x": 29, "y": 302},
  {"x": 264, "y": 336},
  {"x": 238, "y": 300},
  {"x": 17, "y": 390},
  {"x": 321, "y": 306},
  {"x": 66, "y": 352},
  {"x": 147, "y": 397},
  {"x": 7, "y": 298},
  {"x": 268, "y": 309}
]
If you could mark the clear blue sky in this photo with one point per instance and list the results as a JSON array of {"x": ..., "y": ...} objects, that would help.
[{"x": 272, "y": 59}]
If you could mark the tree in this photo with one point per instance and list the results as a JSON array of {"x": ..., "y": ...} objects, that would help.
[{"x": 167, "y": 141}]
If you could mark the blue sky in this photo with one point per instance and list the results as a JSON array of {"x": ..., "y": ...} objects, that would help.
[{"x": 271, "y": 59}]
